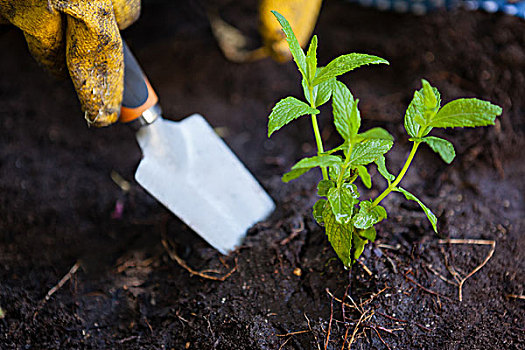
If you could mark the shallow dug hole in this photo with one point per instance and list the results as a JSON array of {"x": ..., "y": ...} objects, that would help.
[{"x": 288, "y": 290}]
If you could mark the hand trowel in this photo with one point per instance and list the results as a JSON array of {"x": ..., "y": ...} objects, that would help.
[{"x": 189, "y": 169}]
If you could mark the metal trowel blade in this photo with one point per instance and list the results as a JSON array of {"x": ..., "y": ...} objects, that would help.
[{"x": 190, "y": 170}]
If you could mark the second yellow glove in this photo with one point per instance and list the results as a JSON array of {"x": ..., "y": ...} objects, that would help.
[{"x": 302, "y": 15}]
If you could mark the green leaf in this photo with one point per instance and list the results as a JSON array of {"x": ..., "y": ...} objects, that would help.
[
  {"x": 376, "y": 134},
  {"x": 318, "y": 210},
  {"x": 324, "y": 92},
  {"x": 306, "y": 164},
  {"x": 334, "y": 172},
  {"x": 287, "y": 110},
  {"x": 342, "y": 201},
  {"x": 294, "y": 174},
  {"x": 422, "y": 108},
  {"x": 355, "y": 117},
  {"x": 352, "y": 188},
  {"x": 417, "y": 113},
  {"x": 323, "y": 186},
  {"x": 358, "y": 244},
  {"x": 466, "y": 112},
  {"x": 311, "y": 59},
  {"x": 321, "y": 93},
  {"x": 323, "y": 160},
  {"x": 368, "y": 215},
  {"x": 340, "y": 236},
  {"x": 350, "y": 173},
  {"x": 415, "y": 108},
  {"x": 365, "y": 176},
  {"x": 380, "y": 211},
  {"x": 381, "y": 167},
  {"x": 430, "y": 99},
  {"x": 431, "y": 217},
  {"x": 368, "y": 151},
  {"x": 347, "y": 119},
  {"x": 295, "y": 48},
  {"x": 345, "y": 63},
  {"x": 431, "y": 103},
  {"x": 444, "y": 148},
  {"x": 369, "y": 233}
]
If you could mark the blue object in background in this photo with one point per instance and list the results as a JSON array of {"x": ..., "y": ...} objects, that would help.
[{"x": 421, "y": 7}]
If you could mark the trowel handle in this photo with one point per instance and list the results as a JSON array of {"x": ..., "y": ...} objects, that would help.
[{"x": 138, "y": 96}]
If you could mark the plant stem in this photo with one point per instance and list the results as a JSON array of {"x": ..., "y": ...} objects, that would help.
[
  {"x": 399, "y": 177},
  {"x": 318, "y": 139},
  {"x": 345, "y": 166}
]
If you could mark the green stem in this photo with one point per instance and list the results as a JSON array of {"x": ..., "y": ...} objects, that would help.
[
  {"x": 318, "y": 139},
  {"x": 345, "y": 166},
  {"x": 399, "y": 177}
]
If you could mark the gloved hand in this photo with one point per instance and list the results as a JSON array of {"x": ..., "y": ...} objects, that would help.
[
  {"x": 302, "y": 15},
  {"x": 84, "y": 35}
]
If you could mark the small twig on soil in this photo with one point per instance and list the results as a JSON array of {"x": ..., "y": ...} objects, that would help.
[
  {"x": 341, "y": 301},
  {"x": 391, "y": 317},
  {"x": 344, "y": 339},
  {"x": 310, "y": 328},
  {"x": 450, "y": 268},
  {"x": 389, "y": 331},
  {"x": 59, "y": 285},
  {"x": 386, "y": 246},
  {"x": 284, "y": 343},
  {"x": 389, "y": 259},
  {"x": 441, "y": 276},
  {"x": 352, "y": 339},
  {"x": 293, "y": 333},
  {"x": 380, "y": 338},
  {"x": 148, "y": 324},
  {"x": 223, "y": 262},
  {"x": 63, "y": 281},
  {"x": 423, "y": 288},
  {"x": 122, "y": 266},
  {"x": 467, "y": 241},
  {"x": 295, "y": 232},
  {"x": 374, "y": 295},
  {"x": 203, "y": 274},
  {"x": 177, "y": 313},
  {"x": 359, "y": 308},
  {"x": 122, "y": 341},
  {"x": 461, "y": 280},
  {"x": 515, "y": 296},
  {"x": 330, "y": 323},
  {"x": 426, "y": 329},
  {"x": 289, "y": 335},
  {"x": 124, "y": 185},
  {"x": 367, "y": 270}
]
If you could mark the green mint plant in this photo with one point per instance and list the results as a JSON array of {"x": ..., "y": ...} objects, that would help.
[{"x": 348, "y": 220}]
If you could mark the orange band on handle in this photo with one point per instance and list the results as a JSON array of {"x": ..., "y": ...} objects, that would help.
[{"x": 129, "y": 114}]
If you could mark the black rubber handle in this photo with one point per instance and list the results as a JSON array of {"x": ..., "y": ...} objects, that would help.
[
  {"x": 135, "y": 88},
  {"x": 138, "y": 95}
]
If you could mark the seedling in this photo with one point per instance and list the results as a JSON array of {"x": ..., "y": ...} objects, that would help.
[{"x": 348, "y": 220}]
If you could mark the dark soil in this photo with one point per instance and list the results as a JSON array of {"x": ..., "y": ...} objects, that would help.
[{"x": 57, "y": 199}]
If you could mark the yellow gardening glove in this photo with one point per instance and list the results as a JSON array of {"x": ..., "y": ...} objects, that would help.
[
  {"x": 84, "y": 35},
  {"x": 302, "y": 15}
]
